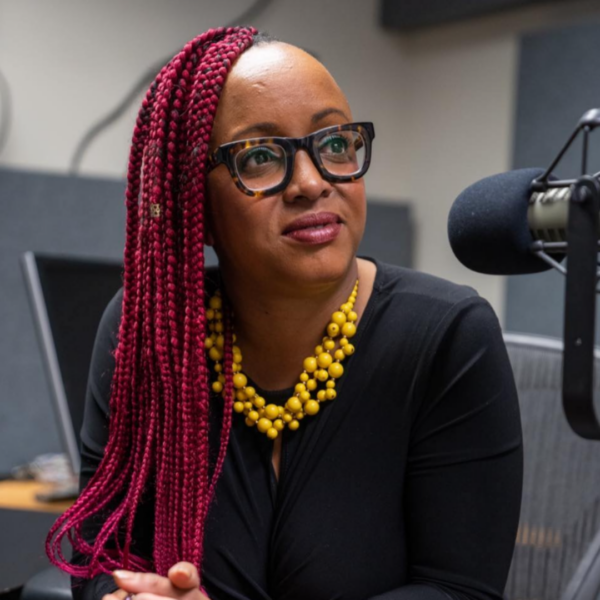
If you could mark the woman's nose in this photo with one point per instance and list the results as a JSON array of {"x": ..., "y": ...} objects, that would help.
[{"x": 307, "y": 182}]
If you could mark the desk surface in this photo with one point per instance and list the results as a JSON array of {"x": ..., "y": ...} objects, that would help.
[
  {"x": 24, "y": 524},
  {"x": 21, "y": 495}
]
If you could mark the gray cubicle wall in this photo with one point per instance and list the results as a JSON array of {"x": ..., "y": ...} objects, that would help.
[
  {"x": 558, "y": 80},
  {"x": 86, "y": 217}
]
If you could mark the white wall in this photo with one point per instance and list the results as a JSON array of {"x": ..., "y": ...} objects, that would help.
[{"x": 442, "y": 100}]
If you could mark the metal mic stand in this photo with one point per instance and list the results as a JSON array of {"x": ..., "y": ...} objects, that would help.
[{"x": 581, "y": 286}]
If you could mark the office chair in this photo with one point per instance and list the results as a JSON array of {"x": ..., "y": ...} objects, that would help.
[{"x": 557, "y": 554}]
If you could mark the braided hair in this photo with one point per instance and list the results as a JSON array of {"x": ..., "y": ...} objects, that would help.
[{"x": 159, "y": 402}]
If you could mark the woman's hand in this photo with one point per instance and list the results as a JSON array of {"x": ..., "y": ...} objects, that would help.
[{"x": 182, "y": 582}]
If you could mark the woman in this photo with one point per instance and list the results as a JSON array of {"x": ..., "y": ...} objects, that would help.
[{"x": 377, "y": 452}]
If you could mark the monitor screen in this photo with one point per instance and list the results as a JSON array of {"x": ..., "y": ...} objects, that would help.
[{"x": 69, "y": 296}]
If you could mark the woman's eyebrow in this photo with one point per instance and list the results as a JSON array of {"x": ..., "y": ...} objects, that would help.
[
  {"x": 266, "y": 127},
  {"x": 269, "y": 128},
  {"x": 328, "y": 111}
]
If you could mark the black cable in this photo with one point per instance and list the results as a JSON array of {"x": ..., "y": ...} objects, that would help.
[
  {"x": 142, "y": 84},
  {"x": 5, "y": 111}
]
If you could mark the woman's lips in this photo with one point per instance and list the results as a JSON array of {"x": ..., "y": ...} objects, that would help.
[{"x": 315, "y": 228}]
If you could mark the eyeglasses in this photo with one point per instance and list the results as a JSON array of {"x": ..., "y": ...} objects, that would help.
[{"x": 264, "y": 166}]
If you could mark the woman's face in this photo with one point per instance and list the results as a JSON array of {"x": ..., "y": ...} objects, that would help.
[{"x": 279, "y": 90}]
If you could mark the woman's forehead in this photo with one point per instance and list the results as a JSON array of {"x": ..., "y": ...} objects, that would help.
[{"x": 276, "y": 81}]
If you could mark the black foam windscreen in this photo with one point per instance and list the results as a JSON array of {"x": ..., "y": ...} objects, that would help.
[{"x": 488, "y": 227}]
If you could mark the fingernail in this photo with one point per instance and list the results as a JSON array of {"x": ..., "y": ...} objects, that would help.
[
  {"x": 184, "y": 571},
  {"x": 123, "y": 574}
]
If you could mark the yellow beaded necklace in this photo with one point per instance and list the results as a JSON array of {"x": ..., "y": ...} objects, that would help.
[{"x": 319, "y": 374}]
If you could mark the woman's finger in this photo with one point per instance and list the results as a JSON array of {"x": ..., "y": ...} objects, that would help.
[
  {"x": 137, "y": 583},
  {"x": 116, "y": 595},
  {"x": 184, "y": 576}
]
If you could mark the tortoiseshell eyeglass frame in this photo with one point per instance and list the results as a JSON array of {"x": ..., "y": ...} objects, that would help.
[{"x": 227, "y": 153}]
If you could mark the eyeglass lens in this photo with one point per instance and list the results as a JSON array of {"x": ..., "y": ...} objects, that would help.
[{"x": 342, "y": 153}]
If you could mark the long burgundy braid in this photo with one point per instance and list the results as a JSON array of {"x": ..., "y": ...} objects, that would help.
[{"x": 159, "y": 402}]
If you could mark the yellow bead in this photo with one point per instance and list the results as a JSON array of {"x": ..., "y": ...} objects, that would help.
[
  {"x": 248, "y": 405},
  {"x": 293, "y": 425},
  {"x": 299, "y": 416},
  {"x": 210, "y": 314},
  {"x": 324, "y": 360},
  {"x": 261, "y": 413},
  {"x": 349, "y": 329},
  {"x": 343, "y": 342},
  {"x": 311, "y": 407},
  {"x": 221, "y": 378},
  {"x": 310, "y": 364},
  {"x": 278, "y": 424},
  {"x": 253, "y": 415},
  {"x": 239, "y": 381},
  {"x": 272, "y": 433},
  {"x": 336, "y": 370},
  {"x": 346, "y": 307},
  {"x": 217, "y": 387},
  {"x": 215, "y": 354},
  {"x": 339, "y": 354},
  {"x": 321, "y": 395},
  {"x": 330, "y": 394},
  {"x": 329, "y": 344},
  {"x": 237, "y": 358},
  {"x": 208, "y": 343},
  {"x": 331, "y": 383},
  {"x": 322, "y": 375},
  {"x": 218, "y": 315},
  {"x": 240, "y": 395},
  {"x": 218, "y": 368},
  {"x": 352, "y": 316},
  {"x": 219, "y": 327},
  {"x": 304, "y": 377},
  {"x": 311, "y": 385},
  {"x": 293, "y": 404},
  {"x": 236, "y": 368},
  {"x": 220, "y": 343},
  {"x": 250, "y": 391},
  {"x": 287, "y": 418},
  {"x": 215, "y": 303},
  {"x": 249, "y": 422},
  {"x": 258, "y": 401},
  {"x": 333, "y": 330},
  {"x": 338, "y": 317},
  {"x": 264, "y": 425},
  {"x": 238, "y": 407},
  {"x": 300, "y": 387},
  {"x": 319, "y": 349},
  {"x": 304, "y": 396},
  {"x": 348, "y": 349},
  {"x": 281, "y": 409},
  {"x": 271, "y": 411}
]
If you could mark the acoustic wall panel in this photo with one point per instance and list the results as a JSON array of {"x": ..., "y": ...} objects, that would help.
[{"x": 406, "y": 15}]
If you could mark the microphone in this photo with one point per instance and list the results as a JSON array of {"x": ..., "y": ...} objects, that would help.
[
  {"x": 494, "y": 222},
  {"x": 507, "y": 224}
]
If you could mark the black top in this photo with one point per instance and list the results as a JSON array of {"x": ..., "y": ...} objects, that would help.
[{"x": 405, "y": 487}]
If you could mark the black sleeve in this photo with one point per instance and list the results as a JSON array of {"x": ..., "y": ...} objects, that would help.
[
  {"x": 94, "y": 436},
  {"x": 463, "y": 489}
]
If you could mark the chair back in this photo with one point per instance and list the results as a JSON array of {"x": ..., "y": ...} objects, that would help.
[{"x": 560, "y": 512}]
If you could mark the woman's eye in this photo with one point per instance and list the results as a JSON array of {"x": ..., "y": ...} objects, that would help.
[
  {"x": 334, "y": 145},
  {"x": 258, "y": 157}
]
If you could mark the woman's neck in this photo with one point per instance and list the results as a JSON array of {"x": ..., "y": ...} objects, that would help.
[{"x": 276, "y": 331}]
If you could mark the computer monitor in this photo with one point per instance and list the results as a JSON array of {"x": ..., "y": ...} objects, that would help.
[{"x": 68, "y": 296}]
